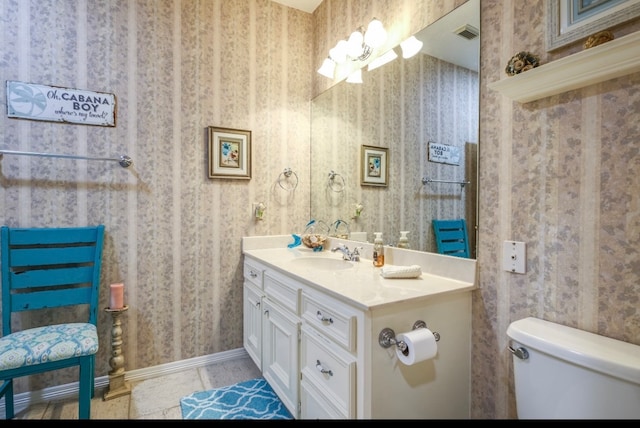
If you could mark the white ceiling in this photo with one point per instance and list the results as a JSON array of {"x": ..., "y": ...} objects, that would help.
[
  {"x": 441, "y": 41},
  {"x": 304, "y": 5}
]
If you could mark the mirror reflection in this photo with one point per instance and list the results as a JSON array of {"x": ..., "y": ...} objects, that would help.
[{"x": 400, "y": 149}]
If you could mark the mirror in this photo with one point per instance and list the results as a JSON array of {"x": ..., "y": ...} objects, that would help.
[{"x": 419, "y": 117}]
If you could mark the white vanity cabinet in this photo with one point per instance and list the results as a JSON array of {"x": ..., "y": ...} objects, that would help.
[{"x": 320, "y": 338}]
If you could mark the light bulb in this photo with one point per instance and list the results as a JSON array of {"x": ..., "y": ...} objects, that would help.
[
  {"x": 339, "y": 52},
  {"x": 410, "y": 47},
  {"x": 354, "y": 45},
  {"x": 376, "y": 35},
  {"x": 327, "y": 68}
]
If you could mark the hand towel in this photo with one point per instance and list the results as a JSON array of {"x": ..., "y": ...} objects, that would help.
[{"x": 412, "y": 271}]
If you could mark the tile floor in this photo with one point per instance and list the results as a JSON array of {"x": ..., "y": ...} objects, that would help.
[{"x": 156, "y": 398}]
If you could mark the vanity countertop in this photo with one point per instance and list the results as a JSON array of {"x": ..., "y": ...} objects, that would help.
[{"x": 361, "y": 285}]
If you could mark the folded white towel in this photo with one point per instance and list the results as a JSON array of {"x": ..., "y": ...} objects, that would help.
[{"x": 412, "y": 271}]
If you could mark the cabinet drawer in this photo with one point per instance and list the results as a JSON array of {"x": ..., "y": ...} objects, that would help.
[
  {"x": 335, "y": 323},
  {"x": 253, "y": 272},
  {"x": 313, "y": 404},
  {"x": 282, "y": 290},
  {"x": 329, "y": 368}
]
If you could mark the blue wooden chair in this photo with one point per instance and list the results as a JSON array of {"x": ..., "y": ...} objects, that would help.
[
  {"x": 451, "y": 237},
  {"x": 50, "y": 268}
]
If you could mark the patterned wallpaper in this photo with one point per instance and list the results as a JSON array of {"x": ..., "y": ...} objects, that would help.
[
  {"x": 560, "y": 174},
  {"x": 173, "y": 236}
]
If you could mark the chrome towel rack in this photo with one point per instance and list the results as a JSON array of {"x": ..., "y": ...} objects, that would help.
[
  {"x": 426, "y": 180},
  {"x": 284, "y": 176},
  {"x": 124, "y": 160},
  {"x": 336, "y": 186}
]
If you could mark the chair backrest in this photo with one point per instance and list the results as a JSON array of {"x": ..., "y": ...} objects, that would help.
[
  {"x": 50, "y": 267},
  {"x": 451, "y": 237}
]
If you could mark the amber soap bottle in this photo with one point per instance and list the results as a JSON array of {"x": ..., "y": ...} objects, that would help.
[{"x": 378, "y": 250}]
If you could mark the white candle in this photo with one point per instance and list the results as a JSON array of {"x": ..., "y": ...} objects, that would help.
[{"x": 116, "y": 300}]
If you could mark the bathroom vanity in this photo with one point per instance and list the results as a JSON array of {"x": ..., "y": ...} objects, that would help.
[{"x": 313, "y": 324}]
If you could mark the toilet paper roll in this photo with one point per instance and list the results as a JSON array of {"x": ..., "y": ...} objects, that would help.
[{"x": 421, "y": 346}]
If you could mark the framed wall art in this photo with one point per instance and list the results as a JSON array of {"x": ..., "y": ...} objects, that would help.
[
  {"x": 374, "y": 162},
  {"x": 229, "y": 153},
  {"x": 571, "y": 20}
]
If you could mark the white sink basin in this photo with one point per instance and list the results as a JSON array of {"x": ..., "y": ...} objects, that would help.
[{"x": 322, "y": 263}]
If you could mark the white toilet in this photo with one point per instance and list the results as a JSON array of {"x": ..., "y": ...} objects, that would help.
[{"x": 565, "y": 373}]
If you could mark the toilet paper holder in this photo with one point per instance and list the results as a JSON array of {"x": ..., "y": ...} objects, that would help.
[{"x": 387, "y": 336}]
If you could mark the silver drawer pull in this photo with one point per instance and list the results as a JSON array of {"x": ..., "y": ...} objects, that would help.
[
  {"x": 322, "y": 370},
  {"x": 323, "y": 318},
  {"x": 252, "y": 274}
]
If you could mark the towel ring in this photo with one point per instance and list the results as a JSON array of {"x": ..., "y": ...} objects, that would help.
[
  {"x": 336, "y": 186},
  {"x": 287, "y": 173}
]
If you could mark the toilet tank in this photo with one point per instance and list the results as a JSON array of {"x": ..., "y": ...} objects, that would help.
[{"x": 573, "y": 374}]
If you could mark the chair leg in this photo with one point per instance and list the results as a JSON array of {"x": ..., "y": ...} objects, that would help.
[
  {"x": 85, "y": 388},
  {"x": 7, "y": 391},
  {"x": 92, "y": 371}
]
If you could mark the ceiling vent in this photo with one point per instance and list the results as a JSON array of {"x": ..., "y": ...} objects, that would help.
[{"x": 467, "y": 31}]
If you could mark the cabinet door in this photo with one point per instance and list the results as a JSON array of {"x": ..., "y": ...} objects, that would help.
[
  {"x": 252, "y": 322},
  {"x": 280, "y": 364}
]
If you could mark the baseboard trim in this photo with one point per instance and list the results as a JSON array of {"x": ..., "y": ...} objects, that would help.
[{"x": 69, "y": 390}]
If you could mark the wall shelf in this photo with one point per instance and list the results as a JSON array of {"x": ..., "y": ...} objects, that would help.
[{"x": 612, "y": 59}]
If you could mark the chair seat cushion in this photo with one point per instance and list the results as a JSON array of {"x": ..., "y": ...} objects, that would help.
[{"x": 50, "y": 343}]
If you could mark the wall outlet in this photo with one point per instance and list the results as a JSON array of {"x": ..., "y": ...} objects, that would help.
[{"x": 514, "y": 256}]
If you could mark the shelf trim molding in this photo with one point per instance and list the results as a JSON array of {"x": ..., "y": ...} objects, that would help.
[{"x": 616, "y": 58}]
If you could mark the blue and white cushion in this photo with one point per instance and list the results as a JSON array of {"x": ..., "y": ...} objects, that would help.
[{"x": 51, "y": 343}]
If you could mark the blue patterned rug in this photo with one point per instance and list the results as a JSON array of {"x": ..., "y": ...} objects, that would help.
[{"x": 252, "y": 399}]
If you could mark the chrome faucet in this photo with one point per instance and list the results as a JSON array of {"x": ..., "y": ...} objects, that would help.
[{"x": 346, "y": 254}]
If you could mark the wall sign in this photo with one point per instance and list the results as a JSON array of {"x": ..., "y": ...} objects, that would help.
[
  {"x": 56, "y": 104},
  {"x": 444, "y": 154}
]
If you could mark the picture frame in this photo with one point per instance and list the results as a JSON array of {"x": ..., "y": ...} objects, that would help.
[
  {"x": 571, "y": 20},
  {"x": 374, "y": 165},
  {"x": 229, "y": 153}
]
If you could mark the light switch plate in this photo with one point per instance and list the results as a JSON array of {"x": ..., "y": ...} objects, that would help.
[{"x": 514, "y": 256}]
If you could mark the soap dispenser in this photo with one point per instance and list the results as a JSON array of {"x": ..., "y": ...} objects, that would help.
[
  {"x": 378, "y": 250},
  {"x": 403, "y": 242}
]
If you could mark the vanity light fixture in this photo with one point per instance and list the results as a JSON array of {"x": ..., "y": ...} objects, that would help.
[
  {"x": 410, "y": 47},
  {"x": 359, "y": 47},
  {"x": 389, "y": 56}
]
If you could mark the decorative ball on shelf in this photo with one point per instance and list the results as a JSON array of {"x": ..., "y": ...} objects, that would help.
[
  {"x": 521, "y": 62},
  {"x": 598, "y": 39}
]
